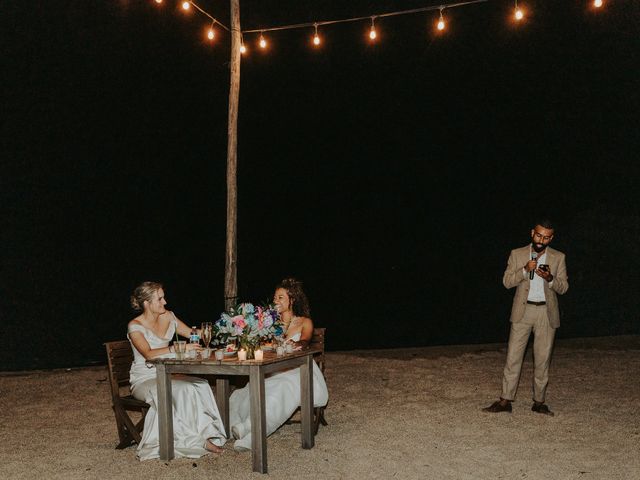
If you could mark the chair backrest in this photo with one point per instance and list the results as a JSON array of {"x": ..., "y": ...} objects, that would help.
[
  {"x": 318, "y": 340},
  {"x": 120, "y": 357}
]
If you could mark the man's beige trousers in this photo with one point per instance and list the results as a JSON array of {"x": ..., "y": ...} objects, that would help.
[{"x": 535, "y": 319}]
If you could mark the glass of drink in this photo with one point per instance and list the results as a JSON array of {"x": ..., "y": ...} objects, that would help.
[
  {"x": 180, "y": 347},
  {"x": 206, "y": 333}
]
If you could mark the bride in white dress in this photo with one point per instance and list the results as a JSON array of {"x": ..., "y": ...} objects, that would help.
[
  {"x": 197, "y": 424},
  {"x": 282, "y": 389}
]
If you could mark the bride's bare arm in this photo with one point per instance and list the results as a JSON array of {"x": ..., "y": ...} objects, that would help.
[
  {"x": 184, "y": 330},
  {"x": 306, "y": 334},
  {"x": 141, "y": 344}
]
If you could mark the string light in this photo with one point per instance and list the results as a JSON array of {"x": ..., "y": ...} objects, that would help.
[
  {"x": 519, "y": 14},
  {"x": 316, "y": 38},
  {"x": 187, "y": 4},
  {"x": 441, "y": 24}
]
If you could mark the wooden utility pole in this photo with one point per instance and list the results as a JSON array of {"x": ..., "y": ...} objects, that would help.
[{"x": 231, "y": 265}]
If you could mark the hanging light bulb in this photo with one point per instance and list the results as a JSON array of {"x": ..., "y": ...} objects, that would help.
[
  {"x": 597, "y": 3},
  {"x": 316, "y": 38},
  {"x": 243, "y": 49},
  {"x": 441, "y": 23},
  {"x": 518, "y": 14},
  {"x": 372, "y": 32},
  {"x": 263, "y": 42},
  {"x": 158, "y": 1},
  {"x": 186, "y": 5},
  {"x": 211, "y": 34}
]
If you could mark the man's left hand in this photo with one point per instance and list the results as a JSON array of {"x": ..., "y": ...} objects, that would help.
[{"x": 545, "y": 274}]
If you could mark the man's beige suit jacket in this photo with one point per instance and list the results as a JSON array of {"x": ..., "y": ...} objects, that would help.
[{"x": 514, "y": 277}]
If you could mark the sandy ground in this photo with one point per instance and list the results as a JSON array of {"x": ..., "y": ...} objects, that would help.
[{"x": 412, "y": 413}]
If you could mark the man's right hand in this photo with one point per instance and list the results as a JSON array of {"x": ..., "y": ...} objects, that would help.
[{"x": 531, "y": 265}]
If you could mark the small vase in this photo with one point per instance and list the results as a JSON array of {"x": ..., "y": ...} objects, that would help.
[{"x": 251, "y": 349}]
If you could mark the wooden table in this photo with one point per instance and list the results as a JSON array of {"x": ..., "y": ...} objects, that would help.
[{"x": 256, "y": 371}]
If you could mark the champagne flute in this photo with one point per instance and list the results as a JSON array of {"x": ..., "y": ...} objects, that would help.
[{"x": 206, "y": 332}]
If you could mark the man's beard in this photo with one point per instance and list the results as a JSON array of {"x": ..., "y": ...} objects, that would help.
[{"x": 538, "y": 247}]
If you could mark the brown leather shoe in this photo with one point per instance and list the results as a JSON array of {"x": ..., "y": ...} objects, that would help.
[
  {"x": 497, "y": 407},
  {"x": 541, "y": 408}
]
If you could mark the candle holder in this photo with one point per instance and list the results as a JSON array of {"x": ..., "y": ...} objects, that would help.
[
  {"x": 259, "y": 355},
  {"x": 242, "y": 355}
]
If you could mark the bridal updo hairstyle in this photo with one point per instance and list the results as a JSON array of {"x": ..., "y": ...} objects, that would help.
[
  {"x": 297, "y": 297},
  {"x": 143, "y": 292}
]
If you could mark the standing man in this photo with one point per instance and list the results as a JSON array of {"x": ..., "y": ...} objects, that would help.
[{"x": 539, "y": 274}]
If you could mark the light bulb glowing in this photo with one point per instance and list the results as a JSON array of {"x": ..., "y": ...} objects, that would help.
[
  {"x": 519, "y": 14},
  {"x": 263, "y": 42},
  {"x": 440, "y": 26},
  {"x": 372, "y": 33},
  {"x": 316, "y": 38},
  {"x": 211, "y": 34},
  {"x": 243, "y": 49},
  {"x": 597, "y": 3},
  {"x": 186, "y": 5},
  {"x": 158, "y": 1}
]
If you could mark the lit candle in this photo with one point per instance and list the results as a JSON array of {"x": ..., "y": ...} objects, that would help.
[
  {"x": 242, "y": 355},
  {"x": 219, "y": 355},
  {"x": 259, "y": 355}
]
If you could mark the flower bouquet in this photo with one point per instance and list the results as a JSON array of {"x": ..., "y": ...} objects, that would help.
[{"x": 248, "y": 325}]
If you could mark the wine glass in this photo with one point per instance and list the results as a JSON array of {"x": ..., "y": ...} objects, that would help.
[{"x": 206, "y": 333}]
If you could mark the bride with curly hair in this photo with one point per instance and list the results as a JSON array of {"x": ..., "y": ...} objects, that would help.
[{"x": 282, "y": 389}]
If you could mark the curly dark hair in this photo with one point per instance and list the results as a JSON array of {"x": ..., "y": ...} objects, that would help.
[{"x": 297, "y": 297}]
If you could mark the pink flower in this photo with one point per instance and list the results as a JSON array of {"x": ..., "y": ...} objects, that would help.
[{"x": 238, "y": 321}]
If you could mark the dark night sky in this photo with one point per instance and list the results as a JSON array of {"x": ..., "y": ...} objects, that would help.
[{"x": 392, "y": 178}]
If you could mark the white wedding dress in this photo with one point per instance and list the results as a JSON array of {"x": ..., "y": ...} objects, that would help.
[
  {"x": 282, "y": 398},
  {"x": 195, "y": 414}
]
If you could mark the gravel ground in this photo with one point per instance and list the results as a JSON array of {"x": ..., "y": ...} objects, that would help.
[{"x": 411, "y": 413}]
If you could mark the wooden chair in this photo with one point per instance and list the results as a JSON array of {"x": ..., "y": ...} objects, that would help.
[
  {"x": 120, "y": 357},
  {"x": 318, "y": 412}
]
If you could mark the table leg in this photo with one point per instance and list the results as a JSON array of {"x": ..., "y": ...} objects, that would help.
[
  {"x": 222, "y": 399},
  {"x": 258, "y": 419},
  {"x": 306, "y": 402},
  {"x": 165, "y": 412}
]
